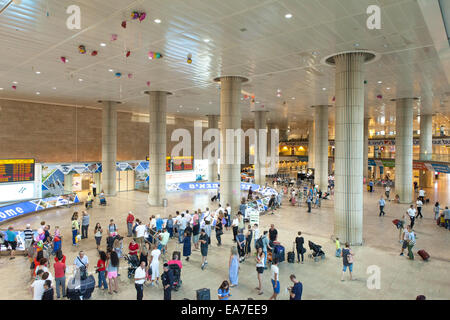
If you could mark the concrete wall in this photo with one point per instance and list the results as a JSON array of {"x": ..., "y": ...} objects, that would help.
[{"x": 51, "y": 133}]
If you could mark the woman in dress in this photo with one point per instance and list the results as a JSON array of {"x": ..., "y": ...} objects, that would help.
[
  {"x": 187, "y": 245},
  {"x": 154, "y": 263},
  {"x": 233, "y": 267}
]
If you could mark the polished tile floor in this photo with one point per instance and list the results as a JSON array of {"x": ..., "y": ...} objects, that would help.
[{"x": 400, "y": 278}]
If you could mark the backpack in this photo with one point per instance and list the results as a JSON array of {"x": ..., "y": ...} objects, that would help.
[{"x": 259, "y": 243}]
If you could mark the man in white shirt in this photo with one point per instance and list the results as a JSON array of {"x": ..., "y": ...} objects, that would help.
[
  {"x": 37, "y": 287},
  {"x": 218, "y": 211},
  {"x": 387, "y": 191},
  {"x": 419, "y": 205},
  {"x": 188, "y": 216},
  {"x": 235, "y": 226},
  {"x": 81, "y": 261},
  {"x": 140, "y": 234},
  {"x": 139, "y": 279},
  {"x": 182, "y": 226},
  {"x": 412, "y": 215},
  {"x": 229, "y": 209},
  {"x": 256, "y": 233},
  {"x": 422, "y": 195},
  {"x": 275, "y": 279}
]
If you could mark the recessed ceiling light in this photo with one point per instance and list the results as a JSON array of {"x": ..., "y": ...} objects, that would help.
[
  {"x": 257, "y": 101},
  {"x": 15, "y": 82},
  {"x": 242, "y": 98},
  {"x": 54, "y": 88},
  {"x": 157, "y": 21},
  {"x": 206, "y": 40},
  {"x": 210, "y": 102},
  {"x": 178, "y": 110},
  {"x": 324, "y": 89},
  {"x": 356, "y": 44},
  {"x": 293, "y": 98},
  {"x": 315, "y": 53},
  {"x": 110, "y": 70},
  {"x": 388, "y": 88},
  {"x": 380, "y": 82},
  {"x": 288, "y": 15},
  {"x": 80, "y": 79},
  {"x": 38, "y": 72},
  {"x": 198, "y": 109},
  {"x": 102, "y": 44},
  {"x": 38, "y": 93},
  {"x": 181, "y": 106},
  {"x": 1, "y": 88},
  {"x": 385, "y": 45}
]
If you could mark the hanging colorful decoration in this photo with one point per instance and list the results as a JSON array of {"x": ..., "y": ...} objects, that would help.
[
  {"x": 130, "y": 75},
  {"x": 379, "y": 96},
  {"x": 334, "y": 99},
  {"x": 14, "y": 87},
  {"x": 128, "y": 53},
  {"x": 154, "y": 55},
  {"x": 118, "y": 74},
  {"x": 189, "y": 58},
  {"x": 94, "y": 53},
  {"x": 114, "y": 37},
  {"x": 82, "y": 49},
  {"x": 148, "y": 83},
  {"x": 63, "y": 59},
  {"x": 124, "y": 24},
  {"x": 136, "y": 15}
]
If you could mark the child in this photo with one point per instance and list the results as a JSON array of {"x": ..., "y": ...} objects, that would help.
[
  {"x": 57, "y": 232},
  {"x": 338, "y": 248},
  {"x": 48, "y": 291}
]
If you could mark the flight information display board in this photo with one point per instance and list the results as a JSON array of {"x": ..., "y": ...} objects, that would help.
[{"x": 16, "y": 170}]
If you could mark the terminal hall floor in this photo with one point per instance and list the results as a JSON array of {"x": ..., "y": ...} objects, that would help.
[{"x": 400, "y": 277}]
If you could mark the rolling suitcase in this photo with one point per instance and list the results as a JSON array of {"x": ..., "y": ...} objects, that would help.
[
  {"x": 203, "y": 294},
  {"x": 423, "y": 254},
  {"x": 291, "y": 257}
]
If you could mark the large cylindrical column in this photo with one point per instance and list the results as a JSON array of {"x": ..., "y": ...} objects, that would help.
[
  {"x": 230, "y": 143},
  {"x": 366, "y": 149},
  {"x": 213, "y": 123},
  {"x": 109, "y": 147},
  {"x": 426, "y": 148},
  {"x": 404, "y": 149},
  {"x": 321, "y": 146},
  {"x": 157, "y": 147},
  {"x": 260, "y": 147},
  {"x": 349, "y": 155},
  {"x": 311, "y": 158}
]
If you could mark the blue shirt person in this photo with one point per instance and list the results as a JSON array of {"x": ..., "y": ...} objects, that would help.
[{"x": 295, "y": 292}]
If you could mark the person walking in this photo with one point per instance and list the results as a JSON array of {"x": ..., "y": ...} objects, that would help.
[
  {"x": 260, "y": 257},
  {"x": 422, "y": 195},
  {"x": 235, "y": 227},
  {"x": 84, "y": 225},
  {"x": 436, "y": 210},
  {"x": 309, "y": 202},
  {"x": 411, "y": 242},
  {"x": 11, "y": 241},
  {"x": 405, "y": 238},
  {"x": 187, "y": 245},
  {"x": 382, "y": 203},
  {"x": 60, "y": 278},
  {"x": 299, "y": 241},
  {"x": 219, "y": 230},
  {"x": 139, "y": 280},
  {"x": 167, "y": 280},
  {"x": 347, "y": 260},
  {"x": 112, "y": 228},
  {"x": 94, "y": 189},
  {"x": 112, "y": 269},
  {"x": 233, "y": 267},
  {"x": 204, "y": 247},
  {"x": 412, "y": 215},
  {"x": 248, "y": 241},
  {"x": 419, "y": 205},
  {"x": 101, "y": 270},
  {"x": 240, "y": 245},
  {"x": 98, "y": 231},
  {"x": 275, "y": 279},
  {"x": 154, "y": 264},
  {"x": 295, "y": 292},
  {"x": 29, "y": 234},
  {"x": 446, "y": 213},
  {"x": 223, "y": 292},
  {"x": 75, "y": 228},
  {"x": 195, "y": 230},
  {"x": 130, "y": 220},
  {"x": 387, "y": 191}
]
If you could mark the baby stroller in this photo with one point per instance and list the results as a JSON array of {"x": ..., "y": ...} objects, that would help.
[
  {"x": 176, "y": 271},
  {"x": 316, "y": 251},
  {"x": 133, "y": 264}
]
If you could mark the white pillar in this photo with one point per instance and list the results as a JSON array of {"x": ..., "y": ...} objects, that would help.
[
  {"x": 349, "y": 119},
  {"x": 404, "y": 149},
  {"x": 157, "y": 147},
  {"x": 260, "y": 145},
  {"x": 311, "y": 130},
  {"x": 109, "y": 147},
  {"x": 213, "y": 123},
  {"x": 426, "y": 148},
  {"x": 230, "y": 148},
  {"x": 321, "y": 146},
  {"x": 366, "y": 149}
]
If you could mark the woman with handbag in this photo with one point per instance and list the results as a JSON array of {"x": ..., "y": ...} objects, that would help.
[{"x": 347, "y": 260}]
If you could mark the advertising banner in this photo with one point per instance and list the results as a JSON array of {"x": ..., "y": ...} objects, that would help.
[
  {"x": 16, "y": 191},
  {"x": 442, "y": 168},
  {"x": 388, "y": 163},
  {"x": 18, "y": 209}
]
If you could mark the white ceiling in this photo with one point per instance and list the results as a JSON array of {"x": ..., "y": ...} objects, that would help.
[{"x": 273, "y": 52}]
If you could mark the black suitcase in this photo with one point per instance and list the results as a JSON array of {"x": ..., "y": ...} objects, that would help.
[
  {"x": 203, "y": 294},
  {"x": 291, "y": 257}
]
